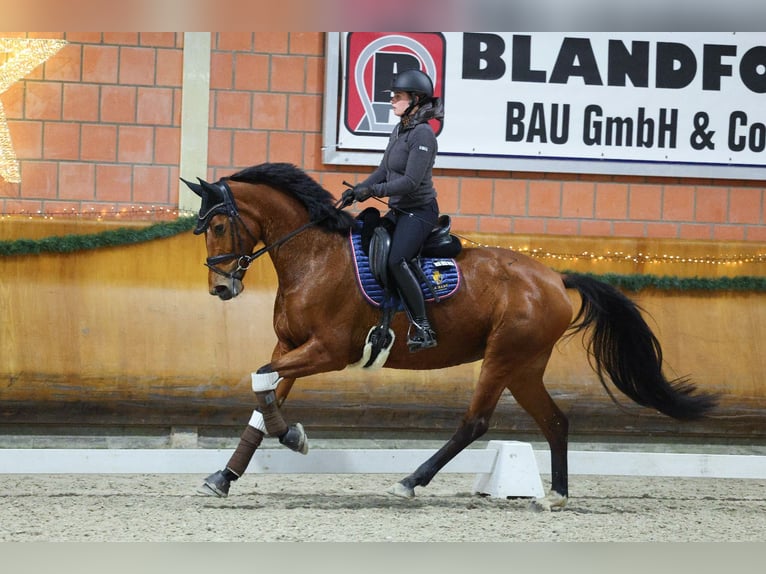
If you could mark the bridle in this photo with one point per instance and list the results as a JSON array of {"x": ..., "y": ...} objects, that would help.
[{"x": 228, "y": 207}]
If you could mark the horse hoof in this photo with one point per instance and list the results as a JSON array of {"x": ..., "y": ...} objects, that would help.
[
  {"x": 295, "y": 439},
  {"x": 553, "y": 501},
  {"x": 215, "y": 485},
  {"x": 401, "y": 491}
]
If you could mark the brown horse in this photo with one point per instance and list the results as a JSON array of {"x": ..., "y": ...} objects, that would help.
[{"x": 509, "y": 312}]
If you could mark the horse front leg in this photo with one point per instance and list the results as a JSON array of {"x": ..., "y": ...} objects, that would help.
[
  {"x": 271, "y": 384},
  {"x": 265, "y": 420}
]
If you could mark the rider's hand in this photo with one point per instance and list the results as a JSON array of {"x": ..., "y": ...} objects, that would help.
[
  {"x": 347, "y": 198},
  {"x": 362, "y": 192}
]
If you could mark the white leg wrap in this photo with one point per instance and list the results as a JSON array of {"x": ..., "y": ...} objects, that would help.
[
  {"x": 265, "y": 381},
  {"x": 256, "y": 421}
]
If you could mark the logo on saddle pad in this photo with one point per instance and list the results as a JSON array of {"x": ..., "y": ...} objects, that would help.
[{"x": 441, "y": 275}]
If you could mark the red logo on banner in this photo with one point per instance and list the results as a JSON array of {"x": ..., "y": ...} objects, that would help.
[{"x": 372, "y": 61}]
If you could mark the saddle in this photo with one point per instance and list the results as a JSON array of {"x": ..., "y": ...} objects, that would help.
[{"x": 434, "y": 266}]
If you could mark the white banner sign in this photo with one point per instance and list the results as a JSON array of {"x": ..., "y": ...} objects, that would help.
[{"x": 624, "y": 102}]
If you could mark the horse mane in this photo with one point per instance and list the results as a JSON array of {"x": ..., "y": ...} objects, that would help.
[{"x": 290, "y": 179}]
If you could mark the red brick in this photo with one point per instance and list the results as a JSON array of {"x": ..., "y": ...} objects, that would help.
[
  {"x": 491, "y": 224},
  {"x": 81, "y": 102},
  {"x": 695, "y": 231},
  {"x": 678, "y": 203},
  {"x": 27, "y": 139},
  {"x": 251, "y": 72},
  {"x": 447, "y": 194},
  {"x": 100, "y": 64},
  {"x": 545, "y": 198},
  {"x": 154, "y": 106},
  {"x": 595, "y": 228},
  {"x": 309, "y": 43},
  {"x": 528, "y": 225},
  {"x": 662, "y": 230},
  {"x": 118, "y": 104},
  {"x": 61, "y": 141},
  {"x": 99, "y": 142},
  {"x": 269, "y": 111},
  {"x": 755, "y": 233},
  {"x": 167, "y": 148},
  {"x": 135, "y": 144},
  {"x": 577, "y": 199},
  {"x": 286, "y": 147},
  {"x": 250, "y": 148},
  {"x": 39, "y": 179},
  {"x": 645, "y": 202},
  {"x": 235, "y": 41},
  {"x": 628, "y": 229},
  {"x": 304, "y": 113},
  {"x": 76, "y": 181},
  {"x": 159, "y": 39},
  {"x": 510, "y": 197},
  {"x": 113, "y": 182},
  {"x": 83, "y": 37},
  {"x": 43, "y": 101},
  {"x": 221, "y": 71},
  {"x": 611, "y": 201},
  {"x": 128, "y": 38},
  {"x": 288, "y": 73},
  {"x": 65, "y": 65},
  {"x": 315, "y": 78},
  {"x": 150, "y": 184},
  {"x": 219, "y": 147},
  {"x": 312, "y": 152},
  {"x": 728, "y": 232},
  {"x": 711, "y": 204},
  {"x": 137, "y": 66},
  {"x": 562, "y": 227},
  {"x": 233, "y": 109},
  {"x": 465, "y": 224},
  {"x": 745, "y": 205},
  {"x": 169, "y": 68},
  {"x": 271, "y": 42},
  {"x": 12, "y": 101},
  {"x": 475, "y": 196}
]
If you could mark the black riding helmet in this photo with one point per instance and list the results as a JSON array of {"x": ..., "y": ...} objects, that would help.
[{"x": 416, "y": 83}]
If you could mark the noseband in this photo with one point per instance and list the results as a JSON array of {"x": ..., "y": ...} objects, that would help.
[{"x": 228, "y": 207}]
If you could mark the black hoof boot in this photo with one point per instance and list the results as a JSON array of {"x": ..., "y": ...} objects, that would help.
[
  {"x": 215, "y": 485},
  {"x": 295, "y": 439},
  {"x": 421, "y": 336}
]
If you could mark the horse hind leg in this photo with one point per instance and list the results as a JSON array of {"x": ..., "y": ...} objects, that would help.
[
  {"x": 530, "y": 394},
  {"x": 475, "y": 424}
]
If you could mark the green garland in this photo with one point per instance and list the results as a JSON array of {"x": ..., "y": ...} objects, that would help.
[
  {"x": 109, "y": 238},
  {"x": 670, "y": 283},
  {"x": 126, "y": 236}
]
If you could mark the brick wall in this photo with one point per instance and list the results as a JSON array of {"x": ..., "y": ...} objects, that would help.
[{"x": 97, "y": 128}]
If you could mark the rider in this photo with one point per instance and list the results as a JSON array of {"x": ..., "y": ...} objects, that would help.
[{"x": 405, "y": 177}]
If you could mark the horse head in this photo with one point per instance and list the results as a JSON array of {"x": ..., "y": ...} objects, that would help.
[{"x": 219, "y": 220}]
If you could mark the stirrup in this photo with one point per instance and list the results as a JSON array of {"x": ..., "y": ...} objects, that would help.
[{"x": 423, "y": 338}]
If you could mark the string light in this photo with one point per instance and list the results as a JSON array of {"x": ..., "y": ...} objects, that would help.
[
  {"x": 635, "y": 258},
  {"x": 25, "y": 55}
]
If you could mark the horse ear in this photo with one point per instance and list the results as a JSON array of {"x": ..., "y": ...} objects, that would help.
[
  {"x": 195, "y": 187},
  {"x": 213, "y": 192}
]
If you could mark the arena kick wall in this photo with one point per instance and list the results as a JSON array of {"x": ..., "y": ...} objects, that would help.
[{"x": 117, "y": 336}]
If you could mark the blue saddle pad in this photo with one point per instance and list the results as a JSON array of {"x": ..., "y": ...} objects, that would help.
[{"x": 442, "y": 274}]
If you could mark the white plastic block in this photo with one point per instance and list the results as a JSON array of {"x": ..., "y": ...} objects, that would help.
[{"x": 515, "y": 473}]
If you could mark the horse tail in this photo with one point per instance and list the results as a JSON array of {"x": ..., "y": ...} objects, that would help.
[{"x": 623, "y": 346}]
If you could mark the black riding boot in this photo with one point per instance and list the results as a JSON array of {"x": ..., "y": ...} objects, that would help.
[{"x": 423, "y": 336}]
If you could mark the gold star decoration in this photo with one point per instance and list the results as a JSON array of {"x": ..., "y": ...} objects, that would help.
[{"x": 18, "y": 57}]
